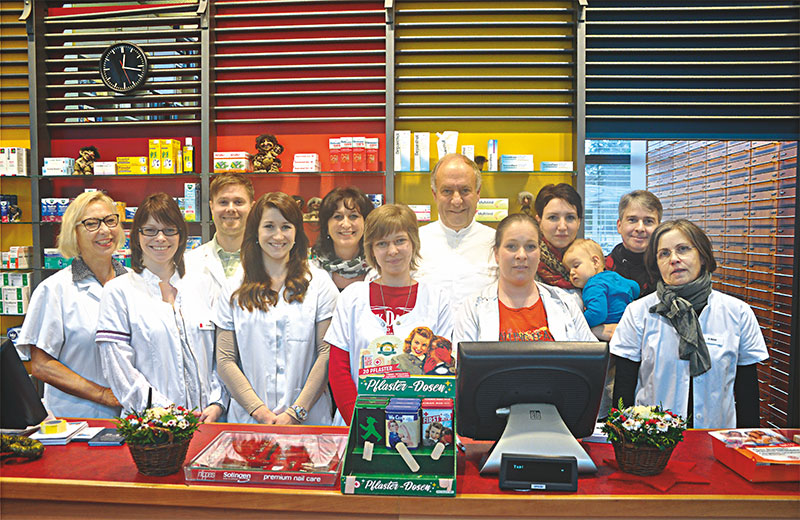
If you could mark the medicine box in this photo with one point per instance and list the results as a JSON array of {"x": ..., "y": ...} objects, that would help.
[
  {"x": 346, "y": 153},
  {"x": 501, "y": 203},
  {"x": 556, "y": 166},
  {"x": 106, "y": 167},
  {"x": 422, "y": 151},
  {"x": 372, "y": 145},
  {"x": 154, "y": 155},
  {"x": 16, "y": 294},
  {"x": 402, "y": 150},
  {"x": 171, "y": 156},
  {"x": 130, "y": 212},
  {"x": 132, "y": 165},
  {"x": 14, "y": 161},
  {"x": 359, "y": 154},
  {"x": 190, "y": 202},
  {"x": 376, "y": 199},
  {"x": 491, "y": 154},
  {"x": 516, "y": 163},
  {"x": 15, "y": 308},
  {"x": 16, "y": 279},
  {"x": 491, "y": 215},
  {"x": 468, "y": 150},
  {"x": 54, "y": 260},
  {"x": 422, "y": 211},
  {"x": 334, "y": 144},
  {"x": 232, "y": 162}
]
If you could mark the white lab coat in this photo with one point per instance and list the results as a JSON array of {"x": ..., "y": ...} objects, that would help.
[
  {"x": 478, "y": 319},
  {"x": 733, "y": 338},
  {"x": 278, "y": 348},
  {"x": 204, "y": 264},
  {"x": 459, "y": 263},
  {"x": 61, "y": 320},
  {"x": 354, "y": 325},
  {"x": 139, "y": 336}
]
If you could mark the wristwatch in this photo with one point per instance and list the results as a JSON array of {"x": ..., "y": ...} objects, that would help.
[{"x": 302, "y": 413}]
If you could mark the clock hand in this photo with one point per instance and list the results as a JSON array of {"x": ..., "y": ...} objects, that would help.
[
  {"x": 131, "y": 68},
  {"x": 126, "y": 74}
]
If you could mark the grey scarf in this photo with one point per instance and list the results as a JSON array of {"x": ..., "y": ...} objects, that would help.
[{"x": 680, "y": 305}]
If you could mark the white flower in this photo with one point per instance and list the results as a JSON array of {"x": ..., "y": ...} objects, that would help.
[
  {"x": 643, "y": 412},
  {"x": 171, "y": 422},
  {"x": 632, "y": 425},
  {"x": 662, "y": 426},
  {"x": 183, "y": 425}
]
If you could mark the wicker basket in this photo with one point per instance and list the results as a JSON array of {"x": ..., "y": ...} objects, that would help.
[
  {"x": 157, "y": 460},
  {"x": 640, "y": 460}
]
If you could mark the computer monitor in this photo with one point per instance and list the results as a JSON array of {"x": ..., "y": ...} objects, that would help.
[
  {"x": 20, "y": 404},
  {"x": 532, "y": 397}
]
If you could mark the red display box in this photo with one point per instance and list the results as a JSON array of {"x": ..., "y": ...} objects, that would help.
[
  {"x": 270, "y": 459},
  {"x": 753, "y": 467}
]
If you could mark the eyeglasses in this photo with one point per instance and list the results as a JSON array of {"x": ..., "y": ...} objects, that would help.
[
  {"x": 93, "y": 224},
  {"x": 682, "y": 251},
  {"x": 151, "y": 232}
]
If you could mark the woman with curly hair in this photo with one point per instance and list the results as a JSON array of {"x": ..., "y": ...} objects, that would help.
[{"x": 270, "y": 352}]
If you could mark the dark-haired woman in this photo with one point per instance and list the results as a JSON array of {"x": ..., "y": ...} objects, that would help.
[
  {"x": 559, "y": 210},
  {"x": 688, "y": 347},
  {"x": 340, "y": 246},
  {"x": 151, "y": 331},
  {"x": 270, "y": 352}
]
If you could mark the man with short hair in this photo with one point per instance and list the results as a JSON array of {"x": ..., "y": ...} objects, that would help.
[
  {"x": 456, "y": 250},
  {"x": 215, "y": 262},
  {"x": 640, "y": 213}
]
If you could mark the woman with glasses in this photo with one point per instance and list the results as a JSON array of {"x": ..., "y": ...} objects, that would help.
[
  {"x": 688, "y": 347},
  {"x": 270, "y": 351},
  {"x": 60, "y": 324},
  {"x": 154, "y": 331}
]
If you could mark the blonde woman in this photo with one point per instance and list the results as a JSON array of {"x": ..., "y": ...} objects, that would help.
[{"x": 62, "y": 316}]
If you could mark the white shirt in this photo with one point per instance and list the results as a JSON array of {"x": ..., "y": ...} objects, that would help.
[
  {"x": 204, "y": 262},
  {"x": 478, "y": 319},
  {"x": 354, "y": 325},
  {"x": 61, "y": 320},
  {"x": 277, "y": 348},
  {"x": 145, "y": 342},
  {"x": 460, "y": 263},
  {"x": 733, "y": 338}
]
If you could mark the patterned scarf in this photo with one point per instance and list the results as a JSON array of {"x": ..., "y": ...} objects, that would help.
[
  {"x": 551, "y": 270},
  {"x": 679, "y": 304},
  {"x": 345, "y": 268}
]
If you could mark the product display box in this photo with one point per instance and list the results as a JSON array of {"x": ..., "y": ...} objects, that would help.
[
  {"x": 14, "y": 161},
  {"x": 416, "y": 411},
  {"x": 759, "y": 454},
  {"x": 269, "y": 458},
  {"x": 240, "y": 162}
]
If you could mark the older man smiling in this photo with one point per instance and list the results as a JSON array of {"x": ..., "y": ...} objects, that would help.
[{"x": 456, "y": 250}]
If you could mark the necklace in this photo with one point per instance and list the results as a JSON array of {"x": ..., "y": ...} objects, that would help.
[{"x": 390, "y": 326}]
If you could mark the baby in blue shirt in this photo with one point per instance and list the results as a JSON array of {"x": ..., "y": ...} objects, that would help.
[{"x": 605, "y": 293}]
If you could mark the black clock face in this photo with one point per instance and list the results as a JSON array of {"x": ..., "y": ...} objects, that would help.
[{"x": 123, "y": 67}]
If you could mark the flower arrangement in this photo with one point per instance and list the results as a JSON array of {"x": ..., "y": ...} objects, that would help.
[
  {"x": 158, "y": 425},
  {"x": 645, "y": 426}
]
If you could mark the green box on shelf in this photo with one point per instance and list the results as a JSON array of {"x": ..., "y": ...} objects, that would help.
[{"x": 387, "y": 473}]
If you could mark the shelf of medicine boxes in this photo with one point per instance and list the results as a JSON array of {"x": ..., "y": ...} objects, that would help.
[{"x": 414, "y": 187}]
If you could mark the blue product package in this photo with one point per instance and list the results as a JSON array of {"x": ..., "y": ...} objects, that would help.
[{"x": 402, "y": 423}]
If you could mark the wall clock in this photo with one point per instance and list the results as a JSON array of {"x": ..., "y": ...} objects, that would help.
[{"x": 123, "y": 67}]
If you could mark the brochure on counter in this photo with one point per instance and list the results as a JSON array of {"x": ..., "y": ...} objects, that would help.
[
  {"x": 62, "y": 438},
  {"x": 758, "y": 454}
]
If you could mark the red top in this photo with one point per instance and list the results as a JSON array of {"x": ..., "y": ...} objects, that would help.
[
  {"x": 386, "y": 302},
  {"x": 524, "y": 324}
]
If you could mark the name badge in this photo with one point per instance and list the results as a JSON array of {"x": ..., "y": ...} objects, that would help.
[
  {"x": 713, "y": 341},
  {"x": 206, "y": 325}
]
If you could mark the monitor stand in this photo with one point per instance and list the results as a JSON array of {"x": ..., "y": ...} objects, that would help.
[{"x": 536, "y": 429}]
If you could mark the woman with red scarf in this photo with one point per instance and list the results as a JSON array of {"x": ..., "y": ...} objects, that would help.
[{"x": 559, "y": 210}]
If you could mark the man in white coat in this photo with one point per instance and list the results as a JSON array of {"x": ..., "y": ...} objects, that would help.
[
  {"x": 216, "y": 263},
  {"x": 456, "y": 250}
]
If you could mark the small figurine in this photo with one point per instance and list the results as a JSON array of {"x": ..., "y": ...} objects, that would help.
[
  {"x": 480, "y": 160},
  {"x": 301, "y": 203},
  {"x": 84, "y": 165},
  {"x": 14, "y": 213},
  {"x": 275, "y": 167},
  {"x": 267, "y": 150},
  {"x": 525, "y": 199},
  {"x": 314, "y": 204}
]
